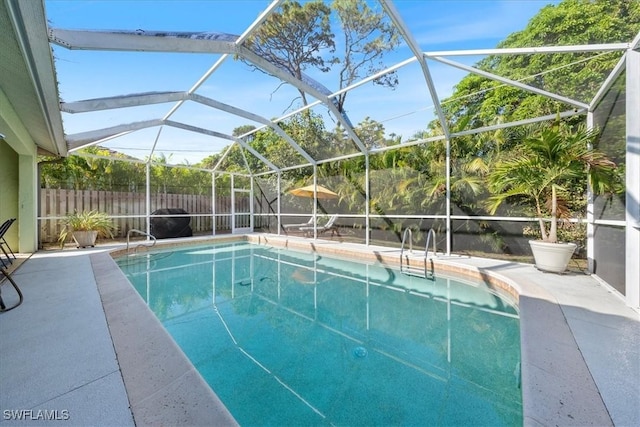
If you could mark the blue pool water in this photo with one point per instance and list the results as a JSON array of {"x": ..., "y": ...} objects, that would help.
[{"x": 292, "y": 338}]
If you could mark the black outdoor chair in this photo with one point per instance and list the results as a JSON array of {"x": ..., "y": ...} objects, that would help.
[
  {"x": 7, "y": 276},
  {"x": 3, "y": 243}
]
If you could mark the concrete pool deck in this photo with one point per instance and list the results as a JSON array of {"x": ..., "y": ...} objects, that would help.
[{"x": 83, "y": 349}]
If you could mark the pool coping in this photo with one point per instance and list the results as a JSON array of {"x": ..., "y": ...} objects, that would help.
[{"x": 164, "y": 387}]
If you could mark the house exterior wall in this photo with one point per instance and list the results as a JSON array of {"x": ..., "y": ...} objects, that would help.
[
  {"x": 28, "y": 203},
  {"x": 18, "y": 179},
  {"x": 632, "y": 238},
  {"x": 9, "y": 190}
]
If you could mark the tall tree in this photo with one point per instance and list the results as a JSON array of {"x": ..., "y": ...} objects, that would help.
[
  {"x": 296, "y": 38},
  {"x": 368, "y": 36},
  {"x": 299, "y": 37}
]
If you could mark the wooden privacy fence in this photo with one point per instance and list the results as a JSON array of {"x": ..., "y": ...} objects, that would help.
[{"x": 129, "y": 209}]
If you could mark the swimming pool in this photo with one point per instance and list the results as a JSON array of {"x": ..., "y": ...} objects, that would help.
[{"x": 287, "y": 337}]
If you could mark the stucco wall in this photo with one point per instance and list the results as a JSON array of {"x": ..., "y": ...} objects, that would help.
[{"x": 9, "y": 191}]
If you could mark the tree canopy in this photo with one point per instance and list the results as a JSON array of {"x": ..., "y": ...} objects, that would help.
[
  {"x": 295, "y": 38},
  {"x": 299, "y": 37},
  {"x": 479, "y": 100},
  {"x": 407, "y": 180}
]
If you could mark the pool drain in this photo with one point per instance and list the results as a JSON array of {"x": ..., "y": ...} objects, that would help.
[{"x": 360, "y": 352}]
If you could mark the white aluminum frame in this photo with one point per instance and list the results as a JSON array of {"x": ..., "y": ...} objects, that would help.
[{"x": 233, "y": 45}]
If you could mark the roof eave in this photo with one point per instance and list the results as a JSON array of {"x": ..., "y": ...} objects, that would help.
[{"x": 30, "y": 25}]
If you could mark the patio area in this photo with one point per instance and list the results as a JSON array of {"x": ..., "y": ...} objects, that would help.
[{"x": 83, "y": 349}]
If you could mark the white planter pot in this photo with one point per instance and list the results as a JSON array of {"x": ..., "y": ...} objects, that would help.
[
  {"x": 85, "y": 238},
  {"x": 552, "y": 257}
]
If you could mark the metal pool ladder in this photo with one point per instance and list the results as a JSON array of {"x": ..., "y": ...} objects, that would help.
[
  {"x": 406, "y": 267},
  {"x": 133, "y": 230}
]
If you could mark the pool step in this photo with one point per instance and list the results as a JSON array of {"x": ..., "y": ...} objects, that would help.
[{"x": 417, "y": 265}]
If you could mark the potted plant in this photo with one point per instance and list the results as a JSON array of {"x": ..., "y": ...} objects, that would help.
[
  {"x": 542, "y": 170},
  {"x": 85, "y": 227}
]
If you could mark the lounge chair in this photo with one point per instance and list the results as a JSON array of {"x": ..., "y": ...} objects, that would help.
[
  {"x": 322, "y": 228},
  {"x": 288, "y": 227},
  {"x": 3, "y": 243}
]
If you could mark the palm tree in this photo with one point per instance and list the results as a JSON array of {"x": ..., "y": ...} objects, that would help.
[{"x": 548, "y": 162}]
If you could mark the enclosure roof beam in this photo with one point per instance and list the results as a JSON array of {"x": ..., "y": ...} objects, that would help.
[
  {"x": 259, "y": 20},
  {"x": 375, "y": 76},
  {"x": 210, "y": 102},
  {"x": 549, "y": 117},
  {"x": 134, "y": 100},
  {"x": 221, "y": 60},
  {"x": 197, "y": 129},
  {"x": 512, "y": 83},
  {"x": 222, "y": 136},
  {"x": 417, "y": 52},
  {"x": 604, "y": 88},
  {"x": 82, "y": 139},
  {"x": 221, "y": 159},
  {"x": 199, "y": 83},
  {"x": 306, "y": 86},
  {"x": 635, "y": 44},
  {"x": 145, "y": 41},
  {"x": 610, "y": 47},
  {"x": 122, "y": 101},
  {"x": 190, "y": 42},
  {"x": 251, "y": 116}
]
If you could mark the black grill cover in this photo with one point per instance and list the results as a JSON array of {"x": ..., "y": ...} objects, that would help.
[{"x": 168, "y": 227}]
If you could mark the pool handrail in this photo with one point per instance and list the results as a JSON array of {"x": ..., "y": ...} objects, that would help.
[
  {"x": 141, "y": 244},
  {"x": 408, "y": 269}
]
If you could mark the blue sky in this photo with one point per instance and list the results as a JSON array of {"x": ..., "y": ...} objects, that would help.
[{"x": 436, "y": 25}]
